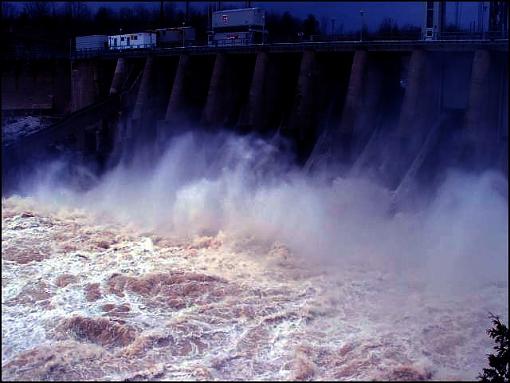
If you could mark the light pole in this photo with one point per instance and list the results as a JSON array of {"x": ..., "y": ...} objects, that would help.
[
  {"x": 161, "y": 13},
  {"x": 182, "y": 33},
  {"x": 332, "y": 26},
  {"x": 484, "y": 8},
  {"x": 361, "y": 12},
  {"x": 263, "y": 27}
]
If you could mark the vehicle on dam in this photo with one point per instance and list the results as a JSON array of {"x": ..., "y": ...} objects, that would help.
[
  {"x": 233, "y": 27},
  {"x": 162, "y": 37},
  {"x": 175, "y": 37},
  {"x": 91, "y": 43},
  {"x": 138, "y": 40},
  {"x": 236, "y": 27}
]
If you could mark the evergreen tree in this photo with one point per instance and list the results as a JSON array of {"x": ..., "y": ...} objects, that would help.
[{"x": 499, "y": 371}]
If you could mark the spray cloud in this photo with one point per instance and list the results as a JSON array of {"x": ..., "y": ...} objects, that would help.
[{"x": 204, "y": 183}]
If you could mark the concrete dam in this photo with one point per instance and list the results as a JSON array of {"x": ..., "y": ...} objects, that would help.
[
  {"x": 315, "y": 211},
  {"x": 411, "y": 109}
]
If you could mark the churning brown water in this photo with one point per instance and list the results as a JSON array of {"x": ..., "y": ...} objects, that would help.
[
  {"x": 83, "y": 300},
  {"x": 208, "y": 265}
]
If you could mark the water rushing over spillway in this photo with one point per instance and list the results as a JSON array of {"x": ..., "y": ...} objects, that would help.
[
  {"x": 212, "y": 262},
  {"x": 82, "y": 300}
]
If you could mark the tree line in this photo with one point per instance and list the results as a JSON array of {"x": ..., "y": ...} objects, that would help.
[{"x": 58, "y": 24}]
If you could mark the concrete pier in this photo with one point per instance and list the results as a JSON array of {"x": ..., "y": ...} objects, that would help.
[
  {"x": 213, "y": 111},
  {"x": 302, "y": 124},
  {"x": 475, "y": 126},
  {"x": 302, "y": 115},
  {"x": 350, "y": 122},
  {"x": 419, "y": 113},
  {"x": 83, "y": 85},
  {"x": 139, "y": 117},
  {"x": 412, "y": 104},
  {"x": 377, "y": 104},
  {"x": 503, "y": 131},
  {"x": 119, "y": 76},
  {"x": 143, "y": 92},
  {"x": 256, "y": 95},
  {"x": 176, "y": 100},
  {"x": 354, "y": 97},
  {"x": 367, "y": 115}
]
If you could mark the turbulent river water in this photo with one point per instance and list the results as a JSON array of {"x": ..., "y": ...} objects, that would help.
[{"x": 91, "y": 296}]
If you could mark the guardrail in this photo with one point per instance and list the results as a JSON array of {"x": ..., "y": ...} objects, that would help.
[
  {"x": 34, "y": 53},
  {"x": 450, "y": 41},
  {"x": 487, "y": 35},
  {"x": 15, "y": 51},
  {"x": 397, "y": 45},
  {"x": 134, "y": 46},
  {"x": 230, "y": 43}
]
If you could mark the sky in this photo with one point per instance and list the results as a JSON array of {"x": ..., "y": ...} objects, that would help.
[{"x": 346, "y": 15}]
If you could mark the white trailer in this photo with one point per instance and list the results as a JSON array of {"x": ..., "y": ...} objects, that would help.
[
  {"x": 91, "y": 43},
  {"x": 132, "y": 41}
]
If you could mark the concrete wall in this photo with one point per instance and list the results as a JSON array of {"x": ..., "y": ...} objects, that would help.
[
  {"x": 368, "y": 105},
  {"x": 478, "y": 129},
  {"x": 214, "y": 108},
  {"x": 228, "y": 93},
  {"x": 90, "y": 82},
  {"x": 177, "y": 94},
  {"x": 84, "y": 85},
  {"x": 352, "y": 108},
  {"x": 259, "y": 83},
  {"x": 301, "y": 128},
  {"x": 42, "y": 85},
  {"x": 119, "y": 76}
]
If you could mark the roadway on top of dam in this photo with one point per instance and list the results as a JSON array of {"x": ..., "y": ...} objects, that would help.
[
  {"x": 330, "y": 46},
  {"x": 319, "y": 46}
]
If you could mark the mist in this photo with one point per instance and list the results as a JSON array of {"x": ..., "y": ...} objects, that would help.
[
  {"x": 245, "y": 186},
  {"x": 215, "y": 255}
]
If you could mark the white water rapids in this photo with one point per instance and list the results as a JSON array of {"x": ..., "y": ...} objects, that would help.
[{"x": 227, "y": 280}]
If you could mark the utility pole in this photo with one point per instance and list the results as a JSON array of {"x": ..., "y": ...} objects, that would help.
[
  {"x": 361, "y": 12},
  {"x": 498, "y": 18},
  {"x": 484, "y": 8},
  {"x": 480, "y": 17},
  {"x": 161, "y": 13},
  {"x": 441, "y": 18},
  {"x": 208, "y": 17},
  {"x": 182, "y": 33},
  {"x": 264, "y": 28},
  {"x": 457, "y": 14}
]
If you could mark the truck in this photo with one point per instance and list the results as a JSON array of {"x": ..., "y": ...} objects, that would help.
[
  {"x": 238, "y": 17},
  {"x": 132, "y": 41},
  {"x": 91, "y": 43},
  {"x": 174, "y": 37},
  {"x": 234, "y": 27}
]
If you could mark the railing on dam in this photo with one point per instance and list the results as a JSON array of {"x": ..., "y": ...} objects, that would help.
[
  {"x": 20, "y": 53},
  {"x": 326, "y": 46},
  {"x": 452, "y": 42}
]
